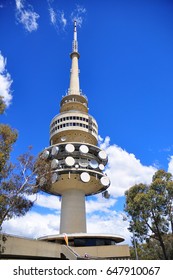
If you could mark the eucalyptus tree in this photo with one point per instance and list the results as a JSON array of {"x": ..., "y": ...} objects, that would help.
[
  {"x": 18, "y": 180},
  {"x": 150, "y": 207}
]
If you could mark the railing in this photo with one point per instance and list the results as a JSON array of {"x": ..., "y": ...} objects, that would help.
[{"x": 70, "y": 91}]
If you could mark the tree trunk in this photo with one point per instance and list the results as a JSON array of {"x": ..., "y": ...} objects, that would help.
[{"x": 160, "y": 239}]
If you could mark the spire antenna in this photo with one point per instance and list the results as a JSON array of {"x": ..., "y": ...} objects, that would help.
[
  {"x": 75, "y": 42},
  {"x": 74, "y": 72}
]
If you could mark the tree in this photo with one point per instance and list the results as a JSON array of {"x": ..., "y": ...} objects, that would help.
[
  {"x": 8, "y": 137},
  {"x": 151, "y": 210},
  {"x": 151, "y": 249},
  {"x": 19, "y": 180},
  {"x": 2, "y": 105},
  {"x": 15, "y": 188}
]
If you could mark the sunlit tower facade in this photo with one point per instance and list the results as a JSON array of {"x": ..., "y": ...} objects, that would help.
[{"x": 77, "y": 162}]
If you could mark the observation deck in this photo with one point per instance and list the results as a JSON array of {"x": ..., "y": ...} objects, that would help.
[{"x": 76, "y": 166}]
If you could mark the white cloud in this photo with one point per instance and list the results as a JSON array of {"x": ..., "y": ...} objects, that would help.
[
  {"x": 101, "y": 218},
  {"x": 170, "y": 165},
  {"x": 5, "y": 82},
  {"x": 57, "y": 18},
  {"x": 63, "y": 20},
  {"x": 78, "y": 14},
  {"x": 19, "y": 4},
  {"x": 60, "y": 21},
  {"x": 53, "y": 17},
  {"x": 47, "y": 201},
  {"x": 104, "y": 143},
  {"x": 112, "y": 223},
  {"x": 99, "y": 204},
  {"x": 124, "y": 169},
  {"x": 33, "y": 225},
  {"x": 26, "y": 16}
]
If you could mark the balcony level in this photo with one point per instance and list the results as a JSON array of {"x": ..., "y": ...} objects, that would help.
[{"x": 74, "y": 102}]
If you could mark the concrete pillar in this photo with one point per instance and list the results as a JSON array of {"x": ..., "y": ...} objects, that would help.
[
  {"x": 74, "y": 77},
  {"x": 73, "y": 216}
]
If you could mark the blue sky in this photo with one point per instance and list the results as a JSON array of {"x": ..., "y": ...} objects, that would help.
[{"x": 126, "y": 70}]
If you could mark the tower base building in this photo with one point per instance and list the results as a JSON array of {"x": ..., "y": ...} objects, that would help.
[
  {"x": 81, "y": 247},
  {"x": 77, "y": 170}
]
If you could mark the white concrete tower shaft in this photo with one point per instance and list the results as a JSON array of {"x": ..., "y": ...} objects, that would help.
[
  {"x": 74, "y": 75},
  {"x": 73, "y": 216}
]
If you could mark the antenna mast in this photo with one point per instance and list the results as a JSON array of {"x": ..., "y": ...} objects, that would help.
[{"x": 75, "y": 42}]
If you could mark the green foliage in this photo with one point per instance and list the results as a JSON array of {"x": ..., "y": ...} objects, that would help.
[
  {"x": 150, "y": 209},
  {"x": 2, "y": 105},
  {"x": 15, "y": 185},
  {"x": 151, "y": 249},
  {"x": 19, "y": 180},
  {"x": 19, "y": 183},
  {"x": 8, "y": 137}
]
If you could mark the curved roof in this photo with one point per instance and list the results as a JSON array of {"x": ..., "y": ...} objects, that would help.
[{"x": 71, "y": 236}]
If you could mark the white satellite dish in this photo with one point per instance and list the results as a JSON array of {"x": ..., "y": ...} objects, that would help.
[
  {"x": 63, "y": 139},
  {"x": 69, "y": 161},
  {"x": 54, "y": 151},
  {"x": 42, "y": 181},
  {"x": 85, "y": 177},
  {"x": 105, "y": 181},
  {"x": 69, "y": 148},
  {"x": 101, "y": 166},
  {"x": 83, "y": 162},
  {"x": 54, "y": 177},
  {"x": 93, "y": 163},
  {"x": 45, "y": 154},
  {"x": 77, "y": 166},
  {"x": 54, "y": 163},
  {"x": 83, "y": 149},
  {"x": 102, "y": 155}
]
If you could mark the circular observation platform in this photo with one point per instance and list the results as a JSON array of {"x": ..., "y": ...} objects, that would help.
[
  {"x": 90, "y": 182},
  {"x": 76, "y": 166},
  {"x": 84, "y": 239}
]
